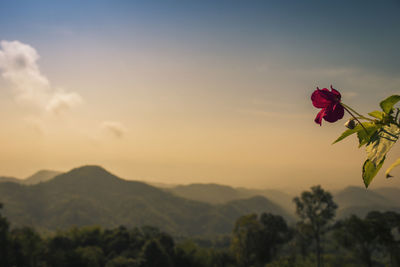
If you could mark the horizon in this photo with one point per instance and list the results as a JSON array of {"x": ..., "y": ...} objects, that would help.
[
  {"x": 199, "y": 92},
  {"x": 288, "y": 190}
]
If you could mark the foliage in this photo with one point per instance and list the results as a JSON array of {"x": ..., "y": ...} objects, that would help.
[
  {"x": 367, "y": 238},
  {"x": 316, "y": 209},
  {"x": 255, "y": 241},
  {"x": 92, "y": 196},
  {"x": 4, "y": 239},
  {"x": 264, "y": 240},
  {"x": 378, "y": 133},
  {"x": 358, "y": 236}
]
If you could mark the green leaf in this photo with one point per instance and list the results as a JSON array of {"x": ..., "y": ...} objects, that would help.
[
  {"x": 395, "y": 164},
  {"x": 377, "y": 148},
  {"x": 370, "y": 170},
  {"x": 349, "y": 132},
  {"x": 389, "y": 102},
  {"x": 377, "y": 114},
  {"x": 364, "y": 136}
]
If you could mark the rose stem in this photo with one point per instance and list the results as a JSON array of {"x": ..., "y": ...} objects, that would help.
[
  {"x": 346, "y": 108},
  {"x": 361, "y": 116}
]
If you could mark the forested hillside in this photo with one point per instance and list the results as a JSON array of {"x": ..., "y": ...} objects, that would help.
[{"x": 91, "y": 195}]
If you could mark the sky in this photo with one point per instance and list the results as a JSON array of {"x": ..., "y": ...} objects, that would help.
[{"x": 193, "y": 91}]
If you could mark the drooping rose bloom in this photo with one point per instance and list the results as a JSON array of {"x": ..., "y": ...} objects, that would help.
[{"x": 329, "y": 101}]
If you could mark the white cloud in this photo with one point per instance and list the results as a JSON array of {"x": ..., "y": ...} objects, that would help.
[
  {"x": 18, "y": 66},
  {"x": 115, "y": 128},
  {"x": 62, "y": 101}
]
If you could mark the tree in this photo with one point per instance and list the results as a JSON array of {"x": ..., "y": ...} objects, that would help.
[
  {"x": 316, "y": 210},
  {"x": 123, "y": 262},
  {"x": 116, "y": 241},
  {"x": 4, "y": 239},
  {"x": 275, "y": 233},
  {"x": 245, "y": 240},
  {"x": 358, "y": 236},
  {"x": 256, "y": 241},
  {"x": 154, "y": 255},
  {"x": 386, "y": 227},
  {"x": 90, "y": 256},
  {"x": 28, "y": 247},
  {"x": 61, "y": 252}
]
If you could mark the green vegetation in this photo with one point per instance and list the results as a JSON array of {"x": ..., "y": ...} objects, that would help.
[
  {"x": 92, "y": 196},
  {"x": 351, "y": 200},
  {"x": 89, "y": 217},
  {"x": 258, "y": 241},
  {"x": 316, "y": 210}
]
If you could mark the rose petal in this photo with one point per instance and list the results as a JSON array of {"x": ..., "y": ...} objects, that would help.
[
  {"x": 334, "y": 112},
  {"x": 320, "y": 115},
  {"x": 336, "y": 93},
  {"x": 321, "y": 98}
]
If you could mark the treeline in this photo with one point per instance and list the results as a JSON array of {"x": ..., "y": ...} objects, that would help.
[{"x": 256, "y": 240}]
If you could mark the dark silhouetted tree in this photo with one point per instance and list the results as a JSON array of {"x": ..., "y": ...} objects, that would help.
[
  {"x": 245, "y": 240},
  {"x": 255, "y": 242},
  {"x": 359, "y": 236},
  {"x": 28, "y": 247},
  {"x": 386, "y": 226},
  {"x": 4, "y": 240},
  {"x": 275, "y": 233},
  {"x": 154, "y": 255},
  {"x": 316, "y": 210},
  {"x": 121, "y": 261}
]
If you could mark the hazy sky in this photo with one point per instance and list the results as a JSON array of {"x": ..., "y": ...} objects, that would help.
[{"x": 192, "y": 91}]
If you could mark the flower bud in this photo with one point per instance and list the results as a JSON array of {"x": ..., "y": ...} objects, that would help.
[{"x": 351, "y": 124}]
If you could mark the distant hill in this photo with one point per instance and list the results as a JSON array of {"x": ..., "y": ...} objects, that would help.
[
  {"x": 390, "y": 193},
  {"x": 283, "y": 199},
  {"x": 91, "y": 195},
  {"x": 219, "y": 194},
  {"x": 9, "y": 179},
  {"x": 351, "y": 200},
  {"x": 209, "y": 193},
  {"x": 360, "y": 201},
  {"x": 41, "y": 176},
  {"x": 38, "y": 177}
]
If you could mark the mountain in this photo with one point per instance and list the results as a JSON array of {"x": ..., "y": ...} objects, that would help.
[
  {"x": 9, "y": 179},
  {"x": 41, "y": 176},
  {"x": 283, "y": 199},
  {"x": 209, "y": 193},
  {"x": 220, "y": 194},
  {"x": 38, "y": 177},
  {"x": 91, "y": 195},
  {"x": 351, "y": 200},
  {"x": 254, "y": 204},
  {"x": 390, "y": 193},
  {"x": 360, "y": 201}
]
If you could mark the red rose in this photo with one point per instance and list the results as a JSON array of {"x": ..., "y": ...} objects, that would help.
[{"x": 329, "y": 102}]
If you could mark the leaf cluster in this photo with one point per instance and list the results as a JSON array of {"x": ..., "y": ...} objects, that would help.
[{"x": 378, "y": 134}]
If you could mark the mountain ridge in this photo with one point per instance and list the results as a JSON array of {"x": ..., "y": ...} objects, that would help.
[
  {"x": 91, "y": 195},
  {"x": 38, "y": 177},
  {"x": 41, "y": 176}
]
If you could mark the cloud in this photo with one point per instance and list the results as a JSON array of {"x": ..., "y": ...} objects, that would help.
[
  {"x": 18, "y": 66},
  {"x": 62, "y": 101},
  {"x": 114, "y": 127}
]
